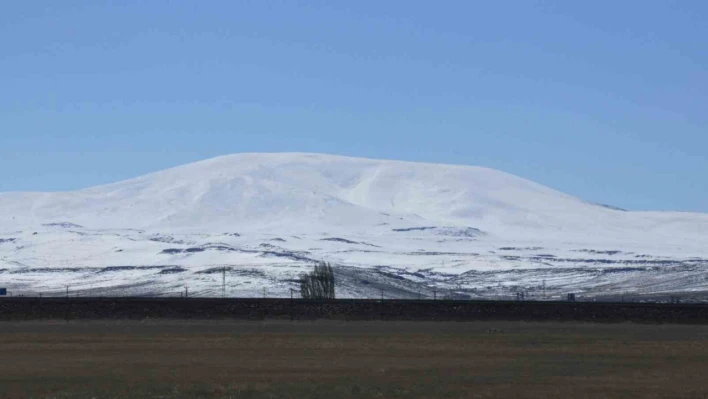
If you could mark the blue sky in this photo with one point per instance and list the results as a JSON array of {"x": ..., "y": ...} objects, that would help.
[{"x": 605, "y": 100}]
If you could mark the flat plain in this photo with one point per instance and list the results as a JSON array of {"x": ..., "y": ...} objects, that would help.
[{"x": 358, "y": 359}]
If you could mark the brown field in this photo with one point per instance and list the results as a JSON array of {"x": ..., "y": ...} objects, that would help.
[{"x": 328, "y": 359}]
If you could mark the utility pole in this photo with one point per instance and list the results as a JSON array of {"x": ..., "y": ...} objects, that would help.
[
  {"x": 544, "y": 289},
  {"x": 435, "y": 294},
  {"x": 223, "y": 282},
  {"x": 186, "y": 292}
]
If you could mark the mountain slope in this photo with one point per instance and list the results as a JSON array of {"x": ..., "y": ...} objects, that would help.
[
  {"x": 308, "y": 190},
  {"x": 292, "y": 209}
]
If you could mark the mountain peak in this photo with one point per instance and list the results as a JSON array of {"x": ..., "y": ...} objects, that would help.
[{"x": 321, "y": 191}]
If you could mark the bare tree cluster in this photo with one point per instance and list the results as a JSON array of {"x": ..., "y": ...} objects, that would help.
[{"x": 319, "y": 283}]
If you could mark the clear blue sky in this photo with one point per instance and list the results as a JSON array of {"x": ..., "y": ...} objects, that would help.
[{"x": 605, "y": 100}]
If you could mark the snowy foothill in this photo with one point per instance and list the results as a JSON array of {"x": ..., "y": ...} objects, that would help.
[{"x": 403, "y": 228}]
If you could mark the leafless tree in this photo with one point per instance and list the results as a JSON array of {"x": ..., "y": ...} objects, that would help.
[{"x": 319, "y": 283}]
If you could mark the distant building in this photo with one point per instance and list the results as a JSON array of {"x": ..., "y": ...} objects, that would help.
[{"x": 3, "y": 291}]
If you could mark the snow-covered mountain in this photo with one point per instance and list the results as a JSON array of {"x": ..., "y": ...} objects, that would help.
[{"x": 398, "y": 226}]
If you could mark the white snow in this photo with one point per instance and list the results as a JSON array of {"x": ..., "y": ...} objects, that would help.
[{"x": 355, "y": 212}]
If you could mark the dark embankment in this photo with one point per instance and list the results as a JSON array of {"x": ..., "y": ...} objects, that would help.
[{"x": 346, "y": 309}]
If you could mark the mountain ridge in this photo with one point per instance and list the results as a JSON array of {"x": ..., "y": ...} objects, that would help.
[
  {"x": 325, "y": 192},
  {"x": 401, "y": 226}
]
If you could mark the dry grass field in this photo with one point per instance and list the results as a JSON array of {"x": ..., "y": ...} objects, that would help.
[{"x": 328, "y": 359}]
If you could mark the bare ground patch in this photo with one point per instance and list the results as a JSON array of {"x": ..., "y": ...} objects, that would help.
[{"x": 328, "y": 359}]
